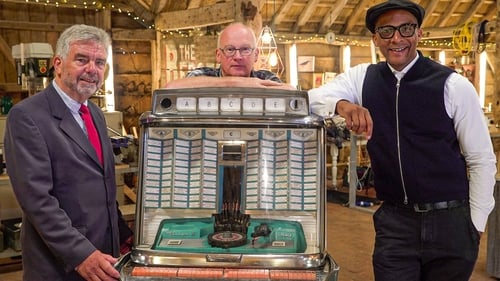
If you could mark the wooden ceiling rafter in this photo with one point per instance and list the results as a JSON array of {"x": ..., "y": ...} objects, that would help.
[
  {"x": 358, "y": 12},
  {"x": 219, "y": 13},
  {"x": 470, "y": 13},
  {"x": 331, "y": 16},
  {"x": 193, "y": 4},
  {"x": 429, "y": 10},
  {"x": 449, "y": 13},
  {"x": 305, "y": 15},
  {"x": 278, "y": 17},
  {"x": 157, "y": 6},
  {"x": 6, "y": 50},
  {"x": 490, "y": 14}
]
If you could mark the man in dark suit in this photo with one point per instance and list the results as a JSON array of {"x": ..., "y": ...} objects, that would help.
[{"x": 66, "y": 187}]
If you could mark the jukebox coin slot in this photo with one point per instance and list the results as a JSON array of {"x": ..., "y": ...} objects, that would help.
[{"x": 166, "y": 103}]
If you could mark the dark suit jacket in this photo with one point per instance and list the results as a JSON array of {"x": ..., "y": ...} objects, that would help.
[{"x": 68, "y": 199}]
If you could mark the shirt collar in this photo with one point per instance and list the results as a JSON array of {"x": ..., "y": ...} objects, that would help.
[
  {"x": 400, "y": 74},
  {"x": 219, "y": 72},
  {"x": 72, "y": 104}
]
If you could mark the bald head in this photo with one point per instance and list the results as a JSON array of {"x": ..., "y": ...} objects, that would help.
[
  {"x": 232, "y": 40},
  {"x": 239, "y": 31}
]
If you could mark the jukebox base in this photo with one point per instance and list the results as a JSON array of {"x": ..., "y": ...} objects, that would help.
[
  {"x": 192, "y": 235},
  {"x": 149, "y": 273},
  {"x": 224, "y": 274}
]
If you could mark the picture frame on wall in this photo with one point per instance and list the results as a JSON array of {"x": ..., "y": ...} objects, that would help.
[
  {"x": 305, "y": 63},
  {"x": 328, "y": 76},
  {"x": 317, "y": 79}
]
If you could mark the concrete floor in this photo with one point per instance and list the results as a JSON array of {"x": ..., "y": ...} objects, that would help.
[
  {"x": 350, "y": 242},
  {"x": 351, "y": 238}
]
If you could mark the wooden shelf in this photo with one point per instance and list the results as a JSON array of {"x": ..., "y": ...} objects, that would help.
[{"x": 10, "y": 260}]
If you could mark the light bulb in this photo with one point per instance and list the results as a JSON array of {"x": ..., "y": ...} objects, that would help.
[
  {"x": 266, "y": 37},
  {"x": 273, "y": 59}
]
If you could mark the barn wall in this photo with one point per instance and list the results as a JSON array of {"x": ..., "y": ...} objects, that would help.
[
  {"x": 134, "y": 59},
  {"x": 23, "y": 23}
]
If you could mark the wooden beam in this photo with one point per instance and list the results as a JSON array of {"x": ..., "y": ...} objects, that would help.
[
  {"x": 33, "y": 26},
  {"x": 157, "y": 6},
  {"x": 121, "y": 34},
  {"x": 142, "y": 12},
  {"x": 282, "y": 11},
  {"x": 490, "y": 14},
  {"x": 156, "y": 62},
  {"x": 435, "y": 33},
  {"x": 469, "y": 14},
  {"x": 331, "y": 16},
  {"x": 447, "y": 32},
  {"x": 320, "y": 38},
  {"x": 78, "y": 4},
  {"x": 359, "y": 11},
  {"x": 429, "y": 10},
  {"x": 204, "y": 16},
  {"x": 448, "y": 14},
  {"x": 6, "y": 51},
  {"x": 193, "y": 4},
  {"x": 305, "y": 15},
  {"x": 129, "y": 193},
  {"x": 143, "y": 3}
]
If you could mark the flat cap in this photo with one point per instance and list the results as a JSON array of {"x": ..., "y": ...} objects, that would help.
[{"x": 374, "y": 12}]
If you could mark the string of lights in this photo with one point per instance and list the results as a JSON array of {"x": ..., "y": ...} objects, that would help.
[{"x": 281, "y": 38}]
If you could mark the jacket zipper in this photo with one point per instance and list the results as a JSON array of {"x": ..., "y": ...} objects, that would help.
[{"x": 398, "y": 141}]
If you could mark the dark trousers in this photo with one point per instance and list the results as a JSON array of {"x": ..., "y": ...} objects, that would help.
[{"x": 434, "y": 246}]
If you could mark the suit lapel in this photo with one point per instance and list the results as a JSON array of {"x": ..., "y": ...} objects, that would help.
[{"x": 68, "y": 124}]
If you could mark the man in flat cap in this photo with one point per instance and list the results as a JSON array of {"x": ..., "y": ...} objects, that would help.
[{"x": 430, "y": 151}]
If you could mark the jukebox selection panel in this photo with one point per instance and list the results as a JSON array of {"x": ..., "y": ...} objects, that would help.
[{"x": 263, "y": 169}]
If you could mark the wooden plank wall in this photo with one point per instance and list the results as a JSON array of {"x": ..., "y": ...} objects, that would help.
[{"x": 22, "y": 23}]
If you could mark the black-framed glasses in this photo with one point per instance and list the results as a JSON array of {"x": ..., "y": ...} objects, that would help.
[
  {"x": 388, "y": 31},
  {"x": 230, "y": 51}
]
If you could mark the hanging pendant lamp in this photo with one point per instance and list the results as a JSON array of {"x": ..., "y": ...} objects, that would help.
[{"x": 269, "y": 58}]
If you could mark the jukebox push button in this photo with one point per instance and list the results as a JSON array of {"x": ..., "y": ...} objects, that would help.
[
  {"x": 208, "y": 104},
  {"x": 253, "y": 105},
  {"x": 275, "y": 105},
  {"x": 186, "y": 104},
  {"x": 230, "y": 104}
]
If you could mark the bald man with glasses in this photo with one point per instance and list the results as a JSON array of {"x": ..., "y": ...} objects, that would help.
[{"x": 236, "y": 53}]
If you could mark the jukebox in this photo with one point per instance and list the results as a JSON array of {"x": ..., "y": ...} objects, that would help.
[{"x": 232, "y": 186}]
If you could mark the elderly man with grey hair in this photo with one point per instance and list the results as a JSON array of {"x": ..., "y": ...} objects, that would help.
[{"x": 62, "y": 168}]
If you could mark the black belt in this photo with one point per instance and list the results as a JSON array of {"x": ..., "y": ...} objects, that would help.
[{"x": 427, "y": 207}]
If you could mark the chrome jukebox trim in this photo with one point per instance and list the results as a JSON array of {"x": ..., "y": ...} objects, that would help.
[{"x": 167, "y": 258}]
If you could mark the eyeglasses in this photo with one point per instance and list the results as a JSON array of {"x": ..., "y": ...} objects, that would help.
[
  {"x": 230, "y": 51},
  {"x": 388, "y": 31}
]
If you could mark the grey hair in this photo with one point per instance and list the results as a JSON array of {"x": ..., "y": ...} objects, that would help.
[{"x": 81, "y": 32}]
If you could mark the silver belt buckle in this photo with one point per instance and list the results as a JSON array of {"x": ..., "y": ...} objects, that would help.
[{"x": 417, "y": 209}]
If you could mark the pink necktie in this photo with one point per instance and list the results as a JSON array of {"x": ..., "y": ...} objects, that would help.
[{"x": 91, "y": 131}]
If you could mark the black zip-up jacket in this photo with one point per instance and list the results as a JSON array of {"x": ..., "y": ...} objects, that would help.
[{"x": 414, "y": 148}]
